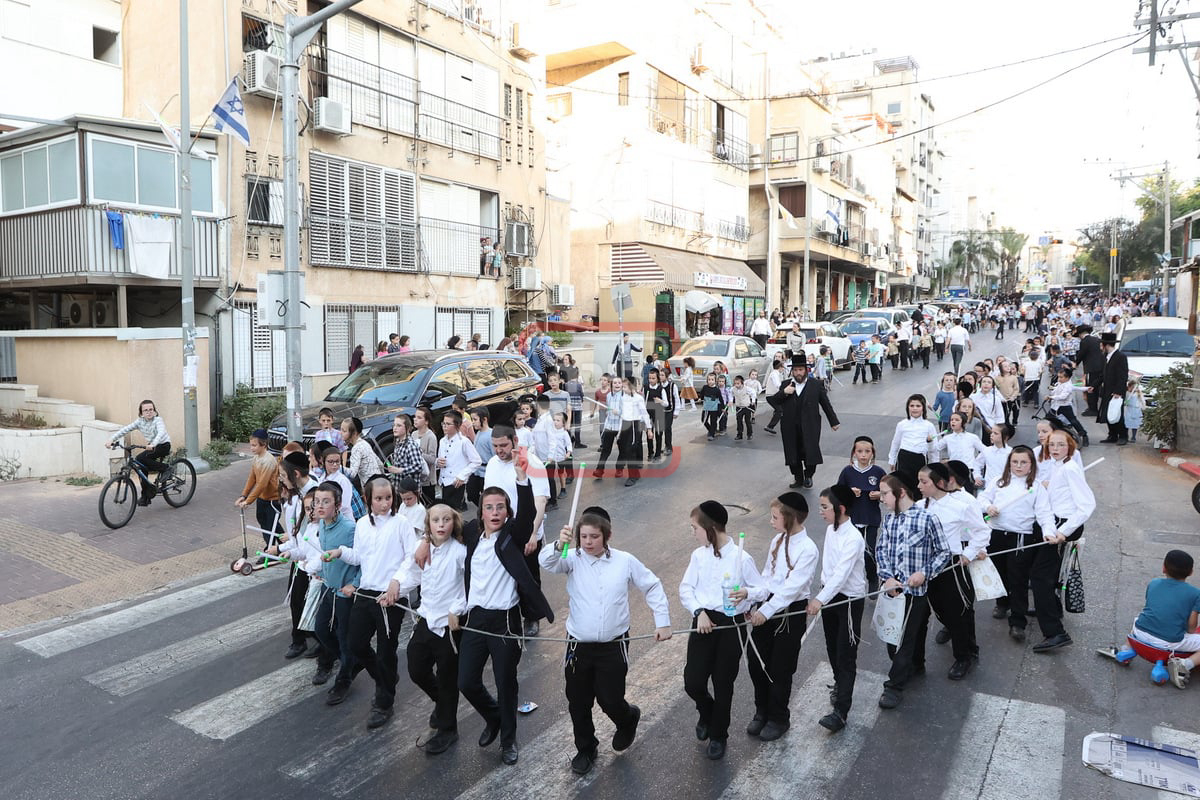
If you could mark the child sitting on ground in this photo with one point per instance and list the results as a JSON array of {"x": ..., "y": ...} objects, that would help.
[{"x": 1170, "y": 616}]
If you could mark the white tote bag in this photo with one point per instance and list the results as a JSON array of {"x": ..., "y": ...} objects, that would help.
[
  {"x": 889, "y": 618},
  {"x": 986, "y": 579},
  {"x": 1116, "y": 406}
]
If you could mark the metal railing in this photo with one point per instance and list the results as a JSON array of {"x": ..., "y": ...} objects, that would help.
[
  {"x": 720, "y": 144},
  {"x": 455, "y": 248},
  {"x": 459, "y": 126},
  {"x": 736, "y": 231},
  {"x": 674, "y": 216},
  {"x": 354, "y": 243},
  {"x": 378, "y": 97}
]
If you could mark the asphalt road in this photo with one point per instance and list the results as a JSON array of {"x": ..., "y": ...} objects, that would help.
[{"x": 187, "y": 694}]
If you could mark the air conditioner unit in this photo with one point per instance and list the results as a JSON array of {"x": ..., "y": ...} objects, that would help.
[
  {"x": 820, "y": 164},
  {"x": 516, "y": 238},
  {"x": 865, "y": 248},
  {"x": 104, "y": 314},
  {"x": 527, "y": 279},
  {"x": 332, "y": 117},
  {"x": 562, "y": 294},
  {"x": 756, "y": 151},
  {"x": 78, "y": 313},
  {"x": 262, "y": 74}
]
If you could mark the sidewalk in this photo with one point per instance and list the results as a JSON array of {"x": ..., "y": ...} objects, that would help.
[{"x": 61, "y": 559}]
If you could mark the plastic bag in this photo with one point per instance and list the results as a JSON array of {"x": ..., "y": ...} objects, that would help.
[
  {"x": 986, "y": 580},
  {"x": 889, "y": 618},
  {"x": 1116, "y": 407}
]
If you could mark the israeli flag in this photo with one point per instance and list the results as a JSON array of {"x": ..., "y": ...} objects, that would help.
[{"x": 231, "y": 114}]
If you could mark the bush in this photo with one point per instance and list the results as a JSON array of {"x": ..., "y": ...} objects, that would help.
[
  {"x": 216, "y": 453},
  {"x": 561, "y": 338},
  {"x": 1160, "y": 422},
  {"x": 245, "y": 411}
]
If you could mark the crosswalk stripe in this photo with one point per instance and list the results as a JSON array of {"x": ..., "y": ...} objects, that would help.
[
  {"x": 159, "y": 665},
  {"x": 232, "y": 712},
  {"x": 654, "y": 684},
  {"x": 1178, "y": 738},
  {"x": 90, "y": 631},
  {"x": 807, "y": 761},
  {"x": 239, "y": 709},
  {"x": 1008, "y": 748}
]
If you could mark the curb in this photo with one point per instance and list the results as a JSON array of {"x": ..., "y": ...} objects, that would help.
[{"x": 1189, "y": 467}]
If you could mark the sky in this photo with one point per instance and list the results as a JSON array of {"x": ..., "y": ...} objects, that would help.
[{"x": 1044, "y": 158}]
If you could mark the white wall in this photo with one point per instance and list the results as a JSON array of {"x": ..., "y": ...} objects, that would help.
[{"x": 46, "y": 52}]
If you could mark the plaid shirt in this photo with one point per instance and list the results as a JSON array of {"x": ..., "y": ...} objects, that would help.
[
  {"x": 911, "y": 541},
  {"x": 406, "y": 454}
]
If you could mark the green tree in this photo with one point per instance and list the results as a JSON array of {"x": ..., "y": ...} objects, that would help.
[
  {"x": 972, "y": 255},
  {"x": 1011, "y": 246}
]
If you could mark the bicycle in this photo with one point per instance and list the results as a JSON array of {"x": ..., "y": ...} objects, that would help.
[{"x": 119, "y": 497}]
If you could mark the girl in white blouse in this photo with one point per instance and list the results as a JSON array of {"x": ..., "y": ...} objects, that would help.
[
  {"x": 958, "y": 444},
  {"x": 1072, "y": 503},
  {"x": 990, "y": 463},
  {"x": 1015, "y": 502},
  {"x": 715, "y": 645},
  {"x": 786, "y": 586},
  {"x": 1041, "y": 454},
  {"x": 913, "y": 442},
  {"x": 989, "y": 402}
]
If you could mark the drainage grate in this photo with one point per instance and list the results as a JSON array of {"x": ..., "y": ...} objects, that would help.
[{"x": 1173, "y": 537}]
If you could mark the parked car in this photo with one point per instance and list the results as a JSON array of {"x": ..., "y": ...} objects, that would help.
[
  {"x": 892, "y": 314},
  {"x": 1153, "y": 345},
  {"x": 858, "y": 329},
  {"x": 815, "y": 334},
  {"x": 739, "y": 353},
  {"x": 379, "y": 390}
]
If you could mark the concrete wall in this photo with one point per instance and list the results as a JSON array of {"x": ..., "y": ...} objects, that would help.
[
  {"x": 1188, "y": 421},
  {"x": 113, "y": 370},
  {"x": 39, "y": 453}
]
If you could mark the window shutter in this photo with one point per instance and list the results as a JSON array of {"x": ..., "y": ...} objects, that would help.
[
  {"x": 337, "y": 339},
  {"x": 242, "y": 324},
  {"x": 443, "y": 326}
]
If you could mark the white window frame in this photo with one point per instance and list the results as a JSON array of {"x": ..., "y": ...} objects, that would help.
[
  {"x": 784, "y": 148},
  {"x": 74, "y": 201},
  {"x": 135, "y": 144}
]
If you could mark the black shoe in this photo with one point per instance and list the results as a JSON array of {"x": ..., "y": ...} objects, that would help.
[
  {"x": 1016, "y": 634},
  {"x": 702, "y": 731},
  {"x": 756, "y": 725},
  {"x": 889, "y": 699},
  {"x": 1053, "y": 643},
  {"x": 337, "y": 694},
  {"x": 145, "y": 500},
  {"x": 959, "y": 669},
  {"x": 313, "y": 651},
  {"x": 943, "y": 636},
  {"x": 490, "y": 732},
  {"x": 796, "y": 484},
  {"x": 716, "y": 750},
  {"x": 531, "y": 629},
  {"x": 581, "y": 764},
  {"x": 378, "y": 717},
  {"x": 670, "y": 450},
  {"x": 772, "y": 731},
  {"x": 738, "y": 437},
  {"x": 999, "y": 612},
  {"x": 631, "y": 481},
  {"x": 620, "y": 473},
  {"x": 624, "y": 736},
  {"x": 508, "y": 753},
  {"x": 1109, "y": 440},
  {"x": 832, "y": 722},
  {"x": 1122, "y": 442},
  {"x": 440, "y": 743},
  {"x": 770, "y": 430},
  {"x": 1088, "y": 413},
  {"x": 807, "y": 482},
  {"x": 295, "y": 651},
  {"x": 322, "y": 676},
  {"x": 433, "y": 720}
]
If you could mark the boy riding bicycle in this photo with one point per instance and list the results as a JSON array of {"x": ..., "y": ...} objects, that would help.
[{"x": 158, "y": 444}]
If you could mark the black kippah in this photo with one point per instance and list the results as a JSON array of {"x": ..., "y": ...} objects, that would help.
[
  {"x": 598, "y": 511},
  {"x": 715, "y": 511},
  {"x": 794, "y": 500},
  {"x": 843, "y": 494}
]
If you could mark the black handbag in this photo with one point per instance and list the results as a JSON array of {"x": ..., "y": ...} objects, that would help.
[{"x": 1072, "y": 583}]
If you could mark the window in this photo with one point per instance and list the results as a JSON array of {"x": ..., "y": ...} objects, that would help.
[
  {"x": 361, "y": 215},
  {"x": 559, "y": 105},
  {"x": 260, "y": 35},
  {"x": 264, "y": 201},
  {"x": 622, "y": 88},
  {"x": 740, "y": 350},
  {"x": 463, "y": 322},
  {"x": 508, "y": 101},
  {"x": 513, "y": 370},
  {"x": 520, "y": 105},
  {"x": 893, "y": 108},
  {"x": 784, "y": 148},
  {"x": 755, "y": 350},
  {"x": 447, "y": 381},
  {"x": 135, "y": 174},
  {"x": 350, "y": 325},
  {"x": 104, "y": 46},
  {"x": 482, "y": 373}
]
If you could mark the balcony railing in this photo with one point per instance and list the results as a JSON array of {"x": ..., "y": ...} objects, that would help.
[
  {"x": 455, "y": 248},
  {"x": 377, "y": 97},
  {"x": 459, "y": 127},
  {"x": 76, "y": 240},
  {"x": 722, "y": 145},
  {"x": 696, "y": 222},
  {"x": 356, "y": 243},
  {"x": 736, "y": 231}
]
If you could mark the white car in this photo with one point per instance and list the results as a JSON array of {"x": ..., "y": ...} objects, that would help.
[
  {"x": 815, "y": 334},
  {"x": 1153, "y": 345}
]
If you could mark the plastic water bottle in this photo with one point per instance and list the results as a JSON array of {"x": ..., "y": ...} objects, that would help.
[{"x": 727, "y": 589}]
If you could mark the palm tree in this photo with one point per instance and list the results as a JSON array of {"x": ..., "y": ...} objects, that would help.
[
  {"x": 1011, "y": 245},
  {"x": 973, "y": 254}
]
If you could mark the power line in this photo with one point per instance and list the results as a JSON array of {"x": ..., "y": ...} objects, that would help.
[{"x": 1129, "y": 38}]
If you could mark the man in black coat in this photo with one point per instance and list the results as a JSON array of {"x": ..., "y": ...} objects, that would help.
[
  {"x": 1113, "y": 386},
  {"x": 1091, "y": 359},
  {"x": 801, "y": 401}
]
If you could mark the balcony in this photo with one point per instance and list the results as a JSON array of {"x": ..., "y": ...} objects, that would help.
[
  {"x": 694, "y": 222},
  {"x": 376, "y": 97},
  {"x": 75, "y": 242},
  {"x": 720, "y": 144},
  {"x": 459, "y": 127},
  {"x": 455, "y": 248}
]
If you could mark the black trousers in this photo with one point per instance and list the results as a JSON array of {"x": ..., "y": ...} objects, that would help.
[
  {"x": 474, "y": 488},
  {"x": 429, "y": 494},
  {"x": 381, "y": 662},
  {"x": 924, "y": 354},
  {"x": 654, "y": 438},
  {"x": 876, "y": 372},
  {"x": 152, "y": 461},
  {"x": 910, "y": 655},
  {"x": 333, "y": 632},
  {"x": 505, "y": 655},
  {"x": 1067, "y": 414},
  {"x": 266, "y": 512},
  {"x": 1038, "y": 567},
  {"x": 778, "y": 642},
  {"x": 841, "y": 647},
  {"x": 296, "y": 594},
  {"x": 776, "y": 414},
  {"x": 952, "y": 599},
  {"x": 761, "y": 338},
  {"x": 905, "y": 355},
  {"x": 714, "y": 657},
  {"x": 552, "y": 481},
  {"x": 607, "y": 438},
  {"x": 668, "y": 422},
  {"x": 956, "y": 355},
  {"x": 909, "y": 462},
  {"x": 1116, "y": 430},
  {"x": 940, "y": 349},
  {"x": 455, "y": 496},
  {"x": 860, "y": 370},
  {"x": 745, "y": 415},
  {"x": 1005, "y": 540},
  {"x": 1012, "y": 411},
  {"x": 595, "y": 673},
  {"x": 870, "y": 537},
  {"x": 535, "y": 569},
  {"x": 433, "y": 667},
  {"x": 1092, "y": 380},
  {"x": 629, "y": 448}
]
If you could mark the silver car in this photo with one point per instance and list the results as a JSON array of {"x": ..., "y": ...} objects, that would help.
[{"x": 739, "y": 354}]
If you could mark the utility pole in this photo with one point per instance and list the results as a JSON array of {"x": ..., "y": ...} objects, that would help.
[
  {"x": 187, "y": 284},
  {"x": 298, "y": 32}
]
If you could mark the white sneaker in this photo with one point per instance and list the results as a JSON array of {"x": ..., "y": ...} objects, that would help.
[{"x": 1178, "y": 671}]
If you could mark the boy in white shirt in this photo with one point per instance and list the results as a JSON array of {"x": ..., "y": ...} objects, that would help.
[{"x": 558, "y": 462}]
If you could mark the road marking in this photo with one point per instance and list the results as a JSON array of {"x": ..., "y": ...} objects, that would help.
[
  {"x": 239, "y": 709},
  {"x": 808, "y": 761},
  {"x": 103, "y": 627},
  {"x": 157, "y": 666},
  {"x": 1166, "y": 735},
  {"x": 654, "y": 684},
  {"x": 1008, "y": 748}
]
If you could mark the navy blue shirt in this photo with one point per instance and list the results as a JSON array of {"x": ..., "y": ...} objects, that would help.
[{"x": 864, "y": 511}]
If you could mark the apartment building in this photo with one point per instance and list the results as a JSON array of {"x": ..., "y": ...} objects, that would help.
[
  {"x": 648, "y": 133},
  {"x": 420, "y": 159}
]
